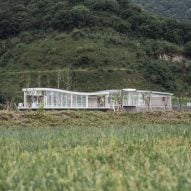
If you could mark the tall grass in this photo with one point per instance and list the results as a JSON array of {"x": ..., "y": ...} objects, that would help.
[{"x": 114, "y": 156}]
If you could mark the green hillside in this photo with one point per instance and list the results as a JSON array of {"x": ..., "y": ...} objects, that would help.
[
  {"x": 175, "y": 9},
  {"x": 90, "y": 45}
]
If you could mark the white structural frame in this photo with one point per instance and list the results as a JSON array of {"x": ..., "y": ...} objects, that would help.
[
  {"x": 63, "y": 99},
  {"x": 150, "y": 101},
  {"x": 128, "y": 99}
]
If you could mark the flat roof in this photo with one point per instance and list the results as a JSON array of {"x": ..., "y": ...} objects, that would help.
[
  {"x": 65, "y": 91},
  {"x": 110, "y": 91},
  {"x": 162, "y": 93},
  {"x": 129, "y": 90},
  {"x": 147, "y": 91},
  {"x": 104, "y": 92}
]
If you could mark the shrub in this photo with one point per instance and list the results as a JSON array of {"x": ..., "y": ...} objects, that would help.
[
  {"x": 85, "y": 49},
  {"x": 77, "y": 34},
  {"x": 26, "y": 37},
  {"x": 84, "y": 61},
  {"x": 106, "y": 5},
  {"x": 188, "y": 49},
  {"x": 61, "y": 36},
  {"x": 160, "y": 73},
  {"x": 79, "y": 15}
]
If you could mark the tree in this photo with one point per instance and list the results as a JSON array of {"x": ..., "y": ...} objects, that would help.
[
  {"x": 188, "y": 49},
  {"x": 8, "y": 26},
  {"x": 79, "y": 15},
  {"x": 123, "y": 3},
  {"x": 106, "y": 5}
]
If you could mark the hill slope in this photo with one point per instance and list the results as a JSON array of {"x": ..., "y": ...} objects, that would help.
[
  {"x": 90, "y": 45},
  {"x": 175, "y": 9}
]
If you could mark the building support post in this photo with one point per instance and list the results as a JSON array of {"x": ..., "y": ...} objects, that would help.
[
  {"x": 150, "y": 102},
  {"x": 87, "y": 101},
  {"x": 71, "y": 101},
  {"x": 106, "y": 101},
  {"x": 52, "y": 99},
  {"x": 25, "y": 100},
  {"x": 45, "y": 102},
  {"x": 171, "y": 103},
  {"x": 137, "y": 104}
]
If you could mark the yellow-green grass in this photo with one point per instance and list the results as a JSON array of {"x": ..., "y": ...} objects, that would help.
[{"x": 95, "y": 151}]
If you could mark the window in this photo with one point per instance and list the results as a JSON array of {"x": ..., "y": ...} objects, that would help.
[
  {"x": 64, "y": 100},
  {"x": 83, "y": 101},
  {"x": 141, "y": 99},
  {"x": 59, "y": 99},
  {"x": 133, "y": 99},
  {"x": 79, "y": 101},
  {"x": 126, "y": 100},
  {"x": 68, "y": 100},
  {"x": 74, "y": 100},
  {"x": 49, "y": 99},
  {"x": 54, "y": 99}
]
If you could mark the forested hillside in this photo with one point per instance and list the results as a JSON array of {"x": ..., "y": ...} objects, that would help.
[
  {"x": 90, "y": 45},
  {"x": 175, "y": 9}
]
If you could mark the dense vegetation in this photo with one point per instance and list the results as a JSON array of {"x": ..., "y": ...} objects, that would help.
[
  {"x": 95, "y": 151},
  {"x": 175, "y": 9},
  {"x": 65, "y": 15},
  {"x": 90, "y": 45}
]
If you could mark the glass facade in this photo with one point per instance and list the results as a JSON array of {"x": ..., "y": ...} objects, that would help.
[
  {"x": 141, "y": 99},
  {"x": 65, "y": 100},
  {"x": 48, "y": 98},
  {"x": 78, "y": 101},
  {"x": 130, "y": 99}
]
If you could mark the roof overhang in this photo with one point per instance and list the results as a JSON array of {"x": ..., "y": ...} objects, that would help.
[
  {"x": 66, "y": 91},
  {"x": 162, "y": 93},
  {"x": 129, "y": 90},
  {"x": 99, "y": 93}
]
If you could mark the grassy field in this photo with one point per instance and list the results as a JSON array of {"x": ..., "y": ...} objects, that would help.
[{"x": 95, "y": 151}]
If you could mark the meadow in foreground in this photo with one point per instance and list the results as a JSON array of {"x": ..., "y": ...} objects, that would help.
[{"x": 95, "y": 151}]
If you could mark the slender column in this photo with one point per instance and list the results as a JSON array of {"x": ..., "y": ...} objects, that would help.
[
  {"x": 137, "y": 104},
  {"x": 129, "y": 99},
  {"x": 57, "y": 99},
  {"x": 81, "y": 103},
  {"x": 52, "y": 99},
  {"x": 25, "y": 100},
  {"x": 106, "y": 101},
  {"x": 71, "y": 101},
  {"x": 45, "y": 101},
  {"x": 66, "y": 100},
  {"x": 37, "y": 101},
  {"x": 61, "y": 100},
  {"x": 86, "y": 101},
  {"x": 150, "y": 103},
  {"x": 76, "y": 101},
  {"x": 170, "y": 102}
]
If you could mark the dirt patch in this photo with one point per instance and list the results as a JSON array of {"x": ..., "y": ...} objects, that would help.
[{"x": 87, "y": 118}]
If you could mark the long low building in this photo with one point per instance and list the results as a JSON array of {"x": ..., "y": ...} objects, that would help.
[{"x": 131, "y": 100}]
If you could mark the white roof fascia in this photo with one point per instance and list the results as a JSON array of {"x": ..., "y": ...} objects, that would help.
[
  {"x": 105, "y": 92},
  {"x": 109, "y": 91},
  {"x": 143, "y": 91},
  {"x": 162, "y": 93},
  {"x": 129, "y": 90},
  {"x": 65, "y": 91},
  {"x": 154, "y": 92}
]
